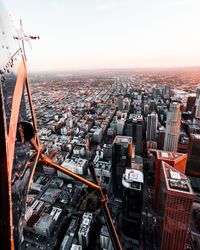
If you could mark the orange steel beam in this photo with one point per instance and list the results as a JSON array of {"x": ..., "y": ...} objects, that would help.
[
  {"x": 11, "y": 136},
  {"x": 35, "y": 145},
  {"x": 107, "y": 215},
  {"x": 15, "y": 110},
  {"x": 103, "y": 199},
  {"x": 32, "y": 110},
  {"x": 46, "y": 160},
  {"x": 33, "y": 171},
  {"x": 38, "y": 152},
  {"x": 111, "y": 227}
]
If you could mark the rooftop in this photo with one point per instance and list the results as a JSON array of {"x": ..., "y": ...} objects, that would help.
[
  {"x": 169, "y": 156},
  {"x": 122, "y": 139},
  {"x": 133, "y": 179},
  {"x": 175, "y": 180}
]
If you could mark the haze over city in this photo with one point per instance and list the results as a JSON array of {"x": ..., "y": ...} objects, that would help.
[
  {"x": 100, "y": 125},
  {"x": 109, "y": 34}
]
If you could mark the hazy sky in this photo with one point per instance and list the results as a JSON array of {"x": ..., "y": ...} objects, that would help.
[{"x": 89, "y": 34}]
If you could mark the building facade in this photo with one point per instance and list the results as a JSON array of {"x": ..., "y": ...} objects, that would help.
[
  {"x": 175, "y": 206},
  {"x": 176, "y": 160},
  {"x": 172, "y": 127},
  {"x": 133, "y": 181},
  {"x": 152, "y": 120},
  {"x": 193, "y": 156},
  {"x": 122, "y": 153}
]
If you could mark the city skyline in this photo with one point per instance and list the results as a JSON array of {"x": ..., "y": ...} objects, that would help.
[
  {"x": 109, "y": 34},
  {"x": 95, "y": 159}
]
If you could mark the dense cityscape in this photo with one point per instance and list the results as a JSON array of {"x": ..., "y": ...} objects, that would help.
[
  {"x": 140, "y": 130},
  {"x": 100, "y": 125}
]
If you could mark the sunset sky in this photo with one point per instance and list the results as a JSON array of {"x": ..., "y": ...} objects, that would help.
[{"x": 93, "y": 34}]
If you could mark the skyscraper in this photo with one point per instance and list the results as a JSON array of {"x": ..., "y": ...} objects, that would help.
[
  {"x": 122, "y": 152},
  {"x": 193, "y": 155},
  {"x": 190, "y": 103},
  {"x": 197, "y": 111},
  {"x": 197, "y": 107},
  {"x": 120, "y": 126},
  {"x": 152, "y": 120},
  {"x": 129, "y": 128},
  {"x": 132, "y": 181},
  {"x": 175, "y": 205},
  {"x": 172, "y": 127},
  {"x": 120, "y": 103},
  {"x": 139, "y": 139},
  {"x": 166, "y": 92},
  {"x": 176, "y": 160},
  {"x": 161, "y": 137},
  {"x": 198, "y": 92},
  {"x": 152, "y": 105}
]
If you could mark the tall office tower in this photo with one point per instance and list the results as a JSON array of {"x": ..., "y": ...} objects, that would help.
[
  {"x": 146, "y": 109},
  {"x": 198, "y": 92},
  {"x": 177, "y": 160},
  {"x": 155, "y": 92},
  {"x": 134, "y": 120},
  {"x": 193, "y": 155},
  {"x": 197, "y": 107},
  {"x": 129, "y": 128},
  {"x": 190, "y": 103},
  {"x": 183, "y": 143},
  {"x": 161, "y": 137},
  {"x": 166, "y": 92},
  {"x": 152, "y": 120},
  {"x": 120, "y": 126},
  {"x": 175, "y": 207},
  {"x": 139, "y": 139},
  {"x": 134, "y": 129},
  {"x": 120, "y": 103},
  {"x": 172, "y": 127},
  {"x": 132, "y": 181},
  {"x": 107, "y": 151},
  {"x": 122, "y": 153},
  {"x": 152, "y": 105},
  {"x": 126, "y": 104},
  {"x": 132, "y": 107}
]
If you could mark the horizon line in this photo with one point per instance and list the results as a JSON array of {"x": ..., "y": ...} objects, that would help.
[{"x": 116, "y": 68}]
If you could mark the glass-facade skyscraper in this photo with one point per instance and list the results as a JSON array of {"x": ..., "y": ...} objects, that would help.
[{"x": 172, "y": 127}]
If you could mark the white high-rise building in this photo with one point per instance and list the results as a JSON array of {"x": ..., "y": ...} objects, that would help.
[
  {"x": 172, "y": 127},
  {"x": 166, "y": 92},
  {"x": 120, "y": 126},
  {"x": 196, "y": 119},
  {"x": 198, "y": 92},
  {"x": 197, "y": 104}
]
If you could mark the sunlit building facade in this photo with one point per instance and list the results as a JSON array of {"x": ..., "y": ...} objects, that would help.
[
  {"x": 176, "y": 160},
  {"x": 172, "y": 127},
  {"x": 174, "y": 208}
]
